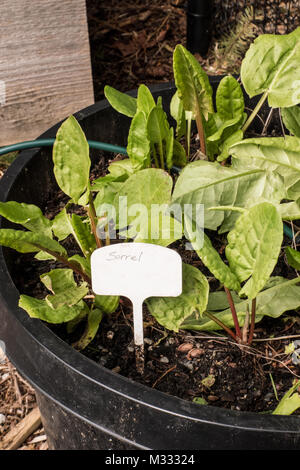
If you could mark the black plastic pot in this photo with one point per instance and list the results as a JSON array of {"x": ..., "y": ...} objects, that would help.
[
  {"x": 83, "y": 405},
  {"x": 198, "y": 27}
]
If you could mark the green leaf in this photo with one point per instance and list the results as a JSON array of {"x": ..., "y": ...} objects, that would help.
[
  {"x": 277, "y": 154},
  {"x": 148, "y": 194},
  {"x": 29, "y": 242},
  {"x": 68, "y": 298},
  {"x": 83, "y": 263},
  {"x": 106, "y": 195},
  {"x": 64, "y": 225},
  {"x": 160, "y": 136},
  {"x": 271, "y": 302},
  {"x": 212, "y": 260},
  {"x": 84, "y": 199},
  {"x": 171, "y": 311},
  {"x": 58, "y": 280},
  {"x": 72, "y": 324},
  {"x": 208, "y": 381},
  {"x": 119, "y": 172},
  {"x": 229, "y": 99},
  {"x": 272, "y": 66},
  {"x": 200, "y": 401},
  {"x": 43, "y": 256},
  {"x": 61, "y": 225},
  {"x": 237, "y": 136},
  {"x": 71, "y": 159},
  {"x": 293, "y": 257},
  {"x": 192, "y": 83},
  {"x": 213, "y": 185},
  {"x": 37, "y": 308},
  {"x": 218, "y": 300},
  {"x": 178, "y": 113},
  {"x": 65, "y": 291},
  {"x": 170, "y": 148},
  {"x": 28, "y": 215},
  {"x": 226, "y": 129},
  {"x": 123, "y": 168},
  {"x": 179, "y": 155},
  {"x": 138, "y": 147},
  {"x": 254, "y": 246},
  {"x": 121, "y": 102},
  {"x": 83, "y": 235},
  {"x": 145, "y": 100},
  {"x": 107, "y": 303},
  {"x": 93, "y": 321},
  {"x": 290, "y": 402},
  {"x": 291, "y": 119}
]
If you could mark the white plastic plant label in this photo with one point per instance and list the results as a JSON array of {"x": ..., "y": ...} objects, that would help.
[{"x": 136, "y": 271}]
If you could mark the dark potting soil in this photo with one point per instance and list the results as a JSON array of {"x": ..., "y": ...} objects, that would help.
[{"x": 190, "y": 365}]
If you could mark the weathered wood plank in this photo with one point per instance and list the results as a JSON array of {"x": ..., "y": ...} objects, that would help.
[
  {"x": 45, "y": 69},
  {"x": 18, "y": 434}
]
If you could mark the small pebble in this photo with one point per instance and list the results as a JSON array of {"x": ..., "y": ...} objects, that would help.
[
  {"x": 164, "y": 360},
  {"x": 130, "y": 348},
  {"x": 185, "y": 347},
  {"x": 171, "y": 340},
  {"x": 195, "y": 352},
  {"x": 2, "y": 419},
  {"x": 212, "y": 398},
  {"x": 110, "y": 335},
  {"x": 148, "y": 341},
  {"x": 187, "y": 364}
]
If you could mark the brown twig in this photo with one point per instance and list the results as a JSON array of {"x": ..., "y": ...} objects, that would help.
[
  {"x": 221, "y": 324},
  {"x": 163, "y": 375},
  {"x": 253, "y": 311}
]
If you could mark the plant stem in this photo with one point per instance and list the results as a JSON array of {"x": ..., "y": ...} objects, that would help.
[
  {"x": 161, "y": 155},
  {"x": 246, "y": 326},
  {"x": 221, "y": 324},
  {"x": 92, "y": 216},
  {"x": 188, "y": 137},
  {"x": 253, "y": 311},
  {"x": 107, "y": 238},
  {"x": 255, "y": 111},
  {"x": 156, "y": 163},
  {"x": 201, "y": 133},
  {"x": 233, "y": 312},
  {"x": 65, "y": 261}
]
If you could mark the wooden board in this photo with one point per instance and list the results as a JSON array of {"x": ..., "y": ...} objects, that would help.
[
  {"x": 45, "y": 67},
  {"x": 19, "y": 433}
]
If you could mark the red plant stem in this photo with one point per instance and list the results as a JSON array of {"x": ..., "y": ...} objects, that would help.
[
  {"x": 201, "y": 133},
  {"x": 93, "y": 217},
  {"x": 221, "y": 324},
  {"x": 253, "y": 311},
  {"x": 65, "y": 261},
  {"x": 233, "y": 312}
]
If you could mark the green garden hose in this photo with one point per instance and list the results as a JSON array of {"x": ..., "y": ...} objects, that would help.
[
  {"x": 93, "y": 144},
  {"x": 49, "y": 142}
]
